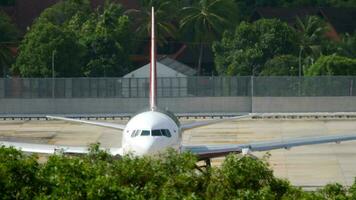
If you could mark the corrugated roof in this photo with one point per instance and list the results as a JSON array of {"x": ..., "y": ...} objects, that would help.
[{"x": 177, "y": 66}]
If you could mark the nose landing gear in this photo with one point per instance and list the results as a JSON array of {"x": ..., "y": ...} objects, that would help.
[{"x": 206, "y": 166}]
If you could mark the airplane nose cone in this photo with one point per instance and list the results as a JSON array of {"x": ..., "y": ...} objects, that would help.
[{"x": 144, "y": 148}]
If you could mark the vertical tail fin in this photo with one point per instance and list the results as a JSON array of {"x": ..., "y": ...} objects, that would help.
[{"x": 153, "y": 71}]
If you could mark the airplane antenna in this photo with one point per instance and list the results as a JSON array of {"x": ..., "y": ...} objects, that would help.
[{"x": 153, "y": 71}]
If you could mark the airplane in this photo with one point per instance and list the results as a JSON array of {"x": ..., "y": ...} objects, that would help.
[{"x": 153, "y": 131}]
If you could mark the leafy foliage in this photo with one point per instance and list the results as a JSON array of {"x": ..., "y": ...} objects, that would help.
[
  {"x": 312, "y": 34},
  {"x": 245, "y": 51},
  {"x": 333, "y": 65},
  {"x": 107, "y": 41},
  {"x": 63, "y": 11},
  {"x": 36, "y": 50},
  {"x": 85, "y": 43},
  {"x": 98, "y": 42},
  {"x": 18, "y": 178},
  {"x": 281, "y": 65},
  {"x": 205, "y": 21},
  {"x": 8, "y": 34},
  {"x": 169, "y": 176},
  {"x": 347, "y": 46},
  {"x": 166, "y": 12}
]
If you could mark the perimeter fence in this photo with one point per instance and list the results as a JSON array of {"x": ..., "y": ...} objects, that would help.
[{"x": 178, "y": 87}]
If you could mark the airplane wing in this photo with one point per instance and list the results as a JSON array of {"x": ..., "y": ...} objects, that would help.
[
  {"x": 206, "y": 152},
  {"x": 208, "y": 122},
  {"x": 103, "y": 124},
  {"x": 52, "y": 149}
]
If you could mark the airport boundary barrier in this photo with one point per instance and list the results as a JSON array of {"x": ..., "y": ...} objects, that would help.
[
  {"x": 88, "y": 96},
  {"x": 178, "y": 87}
]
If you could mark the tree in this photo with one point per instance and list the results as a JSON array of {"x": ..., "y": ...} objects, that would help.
[
  {"x": 333, "y": 65},
  {"x": 8, "y": 35},
  {"x": 311, "y": 32},
  {"x": 87, "y": 43},
  {"x": 206, "y": 20},
  {"x": 281, "y": 65},
  {"x": 35, "y": 57},
  {"x": 245, "y": 51},
  {"x": 165, "y": 15},
  {"x": 347, "y": 46},
  {"x": 49, "y": 34},
  {"x": 171, "y": 175},
  {"x": 108, "y": 41},
  {"x": 63, "y": 11}
]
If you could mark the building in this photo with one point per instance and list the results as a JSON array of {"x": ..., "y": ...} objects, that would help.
[
  {"x": 166, "y": 67},
  {"x": 173, "y": 78}
]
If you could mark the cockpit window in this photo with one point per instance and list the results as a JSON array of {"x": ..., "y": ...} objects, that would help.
[
  {"x": 133, "y": 134},
  {"x": 145, "y": 133},
  {"x": 166, "y": 132},
  {"x": 137, "y": 133},
  {"x": 156, "y": 133}
]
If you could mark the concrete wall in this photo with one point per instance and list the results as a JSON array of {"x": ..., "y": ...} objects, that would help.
[
  {"x": 178, "y": 105},
  {"x": 122, "y": 105},
  {"x": 304, "y": 104}
]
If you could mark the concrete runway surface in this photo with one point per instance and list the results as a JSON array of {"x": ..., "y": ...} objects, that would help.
[{"x": 309, "y": 166}]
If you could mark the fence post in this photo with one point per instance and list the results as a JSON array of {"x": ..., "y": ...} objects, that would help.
[
  {"x": 351, "y": 87},
  {"x": 252, "y": 92},
  {"x": 2, "y": 88},
  {"x": 68, "y": 89}
]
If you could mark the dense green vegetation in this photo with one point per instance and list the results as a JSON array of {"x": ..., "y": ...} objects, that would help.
[
  {"x": 205, "y": 21},
  {"x": 257, "y": 48},
  {"x": 8, "y": 35},
  {"x": 332, "y": 66},
  {"x": 83, "y": 42},
  {"x": 245, "y": 51},
  {"x": 170, "y": 176},
  {"x": 98, "y": 43}
]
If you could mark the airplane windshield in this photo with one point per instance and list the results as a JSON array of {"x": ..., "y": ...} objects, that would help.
[
  {"x": 145, "y": 133},
  {"x": 157, "y": 132}
]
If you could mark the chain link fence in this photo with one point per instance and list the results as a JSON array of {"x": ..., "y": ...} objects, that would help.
[{"x": 178, "y": 87}]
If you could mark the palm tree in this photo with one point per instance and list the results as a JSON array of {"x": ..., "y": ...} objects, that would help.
[
  {"x": 164, "y": 15},
  {"x": 347, "y": 46},
  {"x": 206, "y": 20},
  {"x": 311, "y": 33}
]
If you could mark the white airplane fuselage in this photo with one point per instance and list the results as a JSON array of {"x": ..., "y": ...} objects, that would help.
[{"x": 151, "y": 132}]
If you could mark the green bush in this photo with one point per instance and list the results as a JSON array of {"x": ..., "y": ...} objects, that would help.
[
  {"x": 281, "y": 65},
  {"x": 168, "y": 176},
  {"x": 333, "y": 65}
]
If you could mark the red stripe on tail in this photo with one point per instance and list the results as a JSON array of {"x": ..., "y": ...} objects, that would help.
[{"x": 153, "y": 65}]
